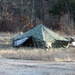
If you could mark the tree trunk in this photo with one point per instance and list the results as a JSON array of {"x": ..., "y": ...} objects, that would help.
[{"x": 33, "y": 15}]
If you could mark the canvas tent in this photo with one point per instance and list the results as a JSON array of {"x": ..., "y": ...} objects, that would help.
[{"x": 41, "y": 37}]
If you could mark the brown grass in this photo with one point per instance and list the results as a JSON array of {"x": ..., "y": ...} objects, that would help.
[
  {"x": 58, "y": 54},
  {"x": 38, "y": 54}
]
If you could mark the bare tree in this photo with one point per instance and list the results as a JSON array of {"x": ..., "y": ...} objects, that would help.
[{"x": 33, "y": 12}]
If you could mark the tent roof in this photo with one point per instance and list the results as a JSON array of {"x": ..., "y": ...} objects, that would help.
[{"x": 41, "y": 33}]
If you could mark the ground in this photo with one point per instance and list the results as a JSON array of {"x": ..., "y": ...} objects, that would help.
[
  {"x": 52, "y": 54},
  {"x": 32, "y": 67},
  {"x": 32, "y": 61}
]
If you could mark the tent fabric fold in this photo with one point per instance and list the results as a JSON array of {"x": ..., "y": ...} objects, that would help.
[{"x": 42, "y": 36}]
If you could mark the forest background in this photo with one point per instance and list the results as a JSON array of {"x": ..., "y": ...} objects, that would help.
[{"x": 22, "y": 15}]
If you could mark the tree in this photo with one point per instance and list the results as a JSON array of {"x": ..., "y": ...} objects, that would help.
[
  {"x": 65, "y": 9},
  {"x": 33, "y": 12}
]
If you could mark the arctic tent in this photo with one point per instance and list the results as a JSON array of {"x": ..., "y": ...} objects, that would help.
[{"x": 41, "y": 37}]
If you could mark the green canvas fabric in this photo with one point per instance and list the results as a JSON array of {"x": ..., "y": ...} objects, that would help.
[
  {"x": 43, "y": 37},
  {"x": 50, "y": 35},
  {"x": 35, "y": 33},
  {"x": 41, "y": 33}
]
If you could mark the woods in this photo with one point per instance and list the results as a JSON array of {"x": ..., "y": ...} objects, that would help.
[{"x": 22, "y": 15}]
